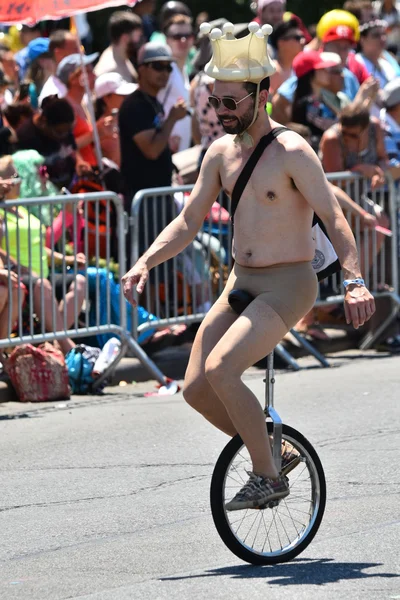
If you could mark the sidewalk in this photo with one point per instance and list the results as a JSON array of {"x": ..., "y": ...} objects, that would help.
[{"x": 173, "y": 362}]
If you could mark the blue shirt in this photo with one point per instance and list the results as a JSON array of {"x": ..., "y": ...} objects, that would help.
[{"x": 350, "y": 86}]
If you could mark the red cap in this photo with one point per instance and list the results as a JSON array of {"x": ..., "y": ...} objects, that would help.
[
  {"x": 312, "y": 60},
  {"x": 339, "y": 32}
]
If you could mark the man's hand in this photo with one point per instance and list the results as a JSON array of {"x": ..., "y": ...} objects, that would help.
[
  {"x": 359, "y": 305},
  {"x": 80, "y": 260},
  {"x": 372, "y": 172},
  {"x": 178, "y": 111},
  {"x": 83, "y": 168},
  {"x": 369, "y": 221},
  {"x": 138, "y": 276}
]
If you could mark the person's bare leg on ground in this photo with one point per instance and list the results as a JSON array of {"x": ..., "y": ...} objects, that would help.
[
  {"x": 198, "y": 392},
  {"x": 66, "y": 344},
  {"x": 77, "y": 288},
  {"x": 255, "y": 333},
  {"x": 6, "y": 307}
]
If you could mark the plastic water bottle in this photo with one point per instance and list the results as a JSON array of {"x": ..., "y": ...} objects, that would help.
[{"x": 108, "y": 354}]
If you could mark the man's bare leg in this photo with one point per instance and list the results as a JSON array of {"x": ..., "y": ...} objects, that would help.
[
  {"x": 197, "y": 390},
  {"x": 255, "y": 333}
]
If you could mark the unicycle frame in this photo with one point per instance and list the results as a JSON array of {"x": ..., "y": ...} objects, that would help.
[{"x": 271, "y": 413}]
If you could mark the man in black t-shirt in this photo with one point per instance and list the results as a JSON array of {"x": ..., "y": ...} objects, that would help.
[
  {"x": 144, "y": 129},
  {"x": 144, "y": 136}
]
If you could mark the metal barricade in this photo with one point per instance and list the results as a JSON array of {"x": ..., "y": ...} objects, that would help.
[
  {"x": 182, "y": 289},
  {"x": 379, "y": 255},
  {"x": 56, "y": 296}
]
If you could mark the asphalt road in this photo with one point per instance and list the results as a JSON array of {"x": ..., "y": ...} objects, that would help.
[{"x": 108, "y": 498}]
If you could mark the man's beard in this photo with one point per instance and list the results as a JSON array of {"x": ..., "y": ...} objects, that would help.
[{"x": 238, "y": 125}]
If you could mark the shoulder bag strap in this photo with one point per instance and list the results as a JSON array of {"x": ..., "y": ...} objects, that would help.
[{"x": 249, "y": 167}]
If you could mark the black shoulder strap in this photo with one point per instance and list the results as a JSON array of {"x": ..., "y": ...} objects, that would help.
[{"x": 249, "y": 167}]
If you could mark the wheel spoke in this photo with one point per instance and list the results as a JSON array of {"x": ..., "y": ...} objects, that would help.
[{"x": 280, "y": 530}]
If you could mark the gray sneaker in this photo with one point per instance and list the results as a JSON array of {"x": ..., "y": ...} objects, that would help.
[{"x": 258, "y": 491}]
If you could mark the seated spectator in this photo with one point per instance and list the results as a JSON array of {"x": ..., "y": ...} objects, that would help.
[
  {"x": 8, "y": 303},
  {"x": 125, "y": 33},
  {"x": 287, "y": 40},
  {"x": 368, "y": 220},
  {"x": 337, "y": 31},
  {"x": 69, "y": 71},
  {"x": 373, "y": 41},
  {"x": 145, "y": 11},
  {"x": 342, "y": 39},
  {"x": 390, "y": 120},
  {"x": 363, "y": 10},
  {"x": 9, "y": 75},
  {"x": 26, "y": 247},
  {"x": 169, "y": 10},
  {"x": 62, "y": 43},
  {"x": 14, "y": 116},
  {"x": 41, "y": 67},
  {"x": 387, "y": 10},
  {"x": 35, "y": 182},
  {"x": 50, "y": 133},
  {"x": 355, "y": 143},
  {"x": 110, "y": 90},
  {"x": 6, "y": 91},
  {"x": 271, "y": 12},
  {"x": 180, "y": 38},
  {"x": 26, "y": 34},
  {"x": 8, "y": 279},
  {"x": 315, "y": 103}
]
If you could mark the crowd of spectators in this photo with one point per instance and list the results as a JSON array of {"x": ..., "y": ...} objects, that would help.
[{"x": 145, "y": 98}]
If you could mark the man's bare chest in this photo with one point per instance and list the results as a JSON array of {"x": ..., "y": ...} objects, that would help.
[{"x": 268, "y": 182}]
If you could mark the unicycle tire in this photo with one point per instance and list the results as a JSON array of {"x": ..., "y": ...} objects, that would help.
[{"x": 273, "y": 534}]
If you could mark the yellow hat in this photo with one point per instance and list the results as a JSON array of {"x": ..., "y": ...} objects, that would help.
[
  {"x": 244, "y": 59},
  {"x": 336, "y": 17}
]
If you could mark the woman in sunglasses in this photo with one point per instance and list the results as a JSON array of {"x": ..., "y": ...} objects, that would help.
[
  {"x": 318, "y": 97},
  {"x": 373, "y": 55}
]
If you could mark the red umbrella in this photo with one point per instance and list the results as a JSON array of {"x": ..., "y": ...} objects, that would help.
[{"x": 33, "y": 11}]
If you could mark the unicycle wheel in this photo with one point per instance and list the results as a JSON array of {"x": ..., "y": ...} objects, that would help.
[{"x": 282, "y": 530}]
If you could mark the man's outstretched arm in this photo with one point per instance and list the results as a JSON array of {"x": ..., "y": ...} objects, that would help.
[
  {"x": 182, "y": 230},
  {"x": 302, "y": 164}
]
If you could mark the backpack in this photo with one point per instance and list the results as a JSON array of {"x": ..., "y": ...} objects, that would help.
[
  {"x": 38, "y": 374},
  {"x": 80, "y": 362}
]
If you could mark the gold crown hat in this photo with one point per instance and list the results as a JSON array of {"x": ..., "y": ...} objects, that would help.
[
  {"x": 240, "y": 60},
  {"x": 244, "y": 59}
]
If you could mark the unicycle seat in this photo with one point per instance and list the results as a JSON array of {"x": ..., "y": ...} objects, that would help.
[{"x": 239, "y": 300}]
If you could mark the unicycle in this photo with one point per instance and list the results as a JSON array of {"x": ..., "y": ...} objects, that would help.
[{"x": 282, "y": 529}]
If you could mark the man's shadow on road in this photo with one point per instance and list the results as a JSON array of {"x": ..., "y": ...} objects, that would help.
[{"x": 298, "y": 572}]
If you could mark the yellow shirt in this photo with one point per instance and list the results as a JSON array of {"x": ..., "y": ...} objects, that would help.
[{"x": 26, "y": 222}]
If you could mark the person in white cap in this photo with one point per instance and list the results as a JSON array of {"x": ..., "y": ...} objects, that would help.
[
  {"x": 273, "y": 248},
  {"x": 110, "y": 90},
  {"x": 271, "y": 11}
]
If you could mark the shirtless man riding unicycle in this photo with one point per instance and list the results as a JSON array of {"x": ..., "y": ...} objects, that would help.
[{"x": 273, "y": 249}]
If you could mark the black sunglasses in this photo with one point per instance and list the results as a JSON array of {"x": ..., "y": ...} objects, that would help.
[
  {"x": 229, "y": 103},
  {"x": 160, "y": 66},
  {"x": 180, "y": 36}
]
